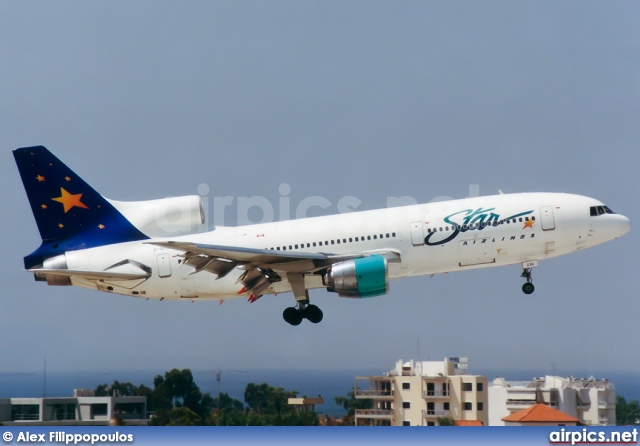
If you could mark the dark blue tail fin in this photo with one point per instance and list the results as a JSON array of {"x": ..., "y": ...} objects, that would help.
[{"x": 69, "y": 213}]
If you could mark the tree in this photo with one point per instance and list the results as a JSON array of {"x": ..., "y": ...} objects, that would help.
[
  {"x": 627, "y": 413},
  {"x": 264, "y": 399},
  {"x": 351, "y": 404},
  {"x": 177, "y": 389},
  {"x": 179, "y": 416},
  {"x": 446, "y": 421}
]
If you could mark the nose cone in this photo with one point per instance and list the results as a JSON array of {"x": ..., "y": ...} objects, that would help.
[{"x": 624, "y": 225}]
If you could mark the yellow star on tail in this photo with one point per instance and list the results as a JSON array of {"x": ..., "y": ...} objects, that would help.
[{"x": 70, "y": 200}]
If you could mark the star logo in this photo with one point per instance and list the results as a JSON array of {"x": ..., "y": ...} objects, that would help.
[
  {"x": 61, "y": 226},
  {"x": 44, "y": 206},
  {"x": 528, "y": 224},
  {"x": 100, "y": 226},
  {"x": 40, "y": 178},
  {"x": 70, "y": 200},
  {"x": 67, "y": 179}
]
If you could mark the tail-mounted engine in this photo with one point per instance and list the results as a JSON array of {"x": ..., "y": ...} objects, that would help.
[{"x": 365, "y": 277}]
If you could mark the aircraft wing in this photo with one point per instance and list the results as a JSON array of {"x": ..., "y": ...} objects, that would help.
[
  {"x": 225, "y": 258},
  {"x": 262, "y": 267}
]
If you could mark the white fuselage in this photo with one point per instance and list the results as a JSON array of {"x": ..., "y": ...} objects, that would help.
[{"x": 430, "y": 238}]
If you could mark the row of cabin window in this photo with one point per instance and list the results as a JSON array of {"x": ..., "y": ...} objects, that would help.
[
  {"x": 481, "y": 225},
  {"x": 333, "y": 242}
]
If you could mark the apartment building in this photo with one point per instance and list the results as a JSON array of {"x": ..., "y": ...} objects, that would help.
[
  {"x": 82, "y": 409},
  {"x": 591, "y": 401},
  {"x": 418, "y": 393}
]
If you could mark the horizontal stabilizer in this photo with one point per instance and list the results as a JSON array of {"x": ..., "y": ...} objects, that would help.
[{"x": 90, "y": 275}]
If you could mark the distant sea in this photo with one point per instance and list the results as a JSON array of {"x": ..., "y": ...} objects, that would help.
[{"x": 311, "y": 383}]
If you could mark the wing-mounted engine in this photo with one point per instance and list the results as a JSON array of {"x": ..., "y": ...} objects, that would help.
[{"x": 364, "y": 277}]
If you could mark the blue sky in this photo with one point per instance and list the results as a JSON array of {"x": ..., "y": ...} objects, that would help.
[{"x": 365, "y": 99}]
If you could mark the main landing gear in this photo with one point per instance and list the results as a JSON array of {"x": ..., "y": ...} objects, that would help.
[
  {"x": 528, "y": 287},
  {"x": 294, "y": 315},
  {"x": 302, "y": 310}
]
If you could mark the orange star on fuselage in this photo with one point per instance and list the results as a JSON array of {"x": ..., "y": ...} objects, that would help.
[
  {"x": 70, "y": 200},
  {"x": 528, "y": 224}
]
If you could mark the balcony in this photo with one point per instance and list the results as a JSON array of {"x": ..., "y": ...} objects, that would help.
[
  {"x": 523, "y": 404},
  {"x": 375, "y": 414},
  {"x": 434, "y": 413},
  {"x": 426, "y": 394},
  {"x": 583, "y": 405},
  {"x": 374, "y": 394}
]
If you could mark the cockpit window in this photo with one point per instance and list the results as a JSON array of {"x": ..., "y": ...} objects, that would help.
[{"x": 599, "y": 210}]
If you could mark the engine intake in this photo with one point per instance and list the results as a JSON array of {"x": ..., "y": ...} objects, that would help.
[{"x": 365, "y": 277}]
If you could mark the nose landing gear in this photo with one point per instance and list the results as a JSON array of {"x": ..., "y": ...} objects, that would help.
[{"x": 528, "y": 287}]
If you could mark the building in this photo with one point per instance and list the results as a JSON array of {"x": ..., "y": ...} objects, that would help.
[
  {"x": 81, "y": 409},
  {"x": 540, "y": 415},
  {"x": 417, "y": 393},
  {"x": 304, "y": 404},
  {"x": 591, "y": 401}
]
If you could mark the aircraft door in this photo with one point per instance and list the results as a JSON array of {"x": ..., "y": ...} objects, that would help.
[
  {"x": 417, "y": 233},
  {"x": 164, "y": 265},
  {"x": 547, "y": 221}
]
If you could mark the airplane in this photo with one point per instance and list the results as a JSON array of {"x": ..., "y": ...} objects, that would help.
[{"x": 131, "y": 248}]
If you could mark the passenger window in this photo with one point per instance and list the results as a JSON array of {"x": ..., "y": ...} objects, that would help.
[
  {"x": 314, "y": 244},
  {"x": 332, "y": 242},
  {"x": 350, "y": 240},
  {"x": 375, "y": 237},
  {"x": 320, "y": 243},
  {"x": 368, "y": 237},
  {"x": 338, "y": 241},
  {"x": 278, "y": 248},
  {"x": 393, "y": 234},
  {"x": 296, "y": 246},
  {"x": 344, "y": 240},
  {"x": 387, "y": 235},
  {"x": 290, "y": 247},
  {"x": 356, "y": 239}
]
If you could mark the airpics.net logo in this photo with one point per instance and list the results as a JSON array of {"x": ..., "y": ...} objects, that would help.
[
  {"x": 66, "y": 438},
  {"x": 587, "y": 436},
  {"x": 240, "y": 210}
]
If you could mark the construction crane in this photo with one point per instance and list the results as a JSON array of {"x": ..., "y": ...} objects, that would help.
[{"x": 218, "y": 379}]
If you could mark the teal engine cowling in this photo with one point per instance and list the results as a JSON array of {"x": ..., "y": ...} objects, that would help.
[{"x": 365, "y": 277}]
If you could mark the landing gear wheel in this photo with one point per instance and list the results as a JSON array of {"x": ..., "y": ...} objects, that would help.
[
  {"x": 528, "y": 287},
  {"x": 292, "y": 316},
  {"x": 312, "y": 313}
]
